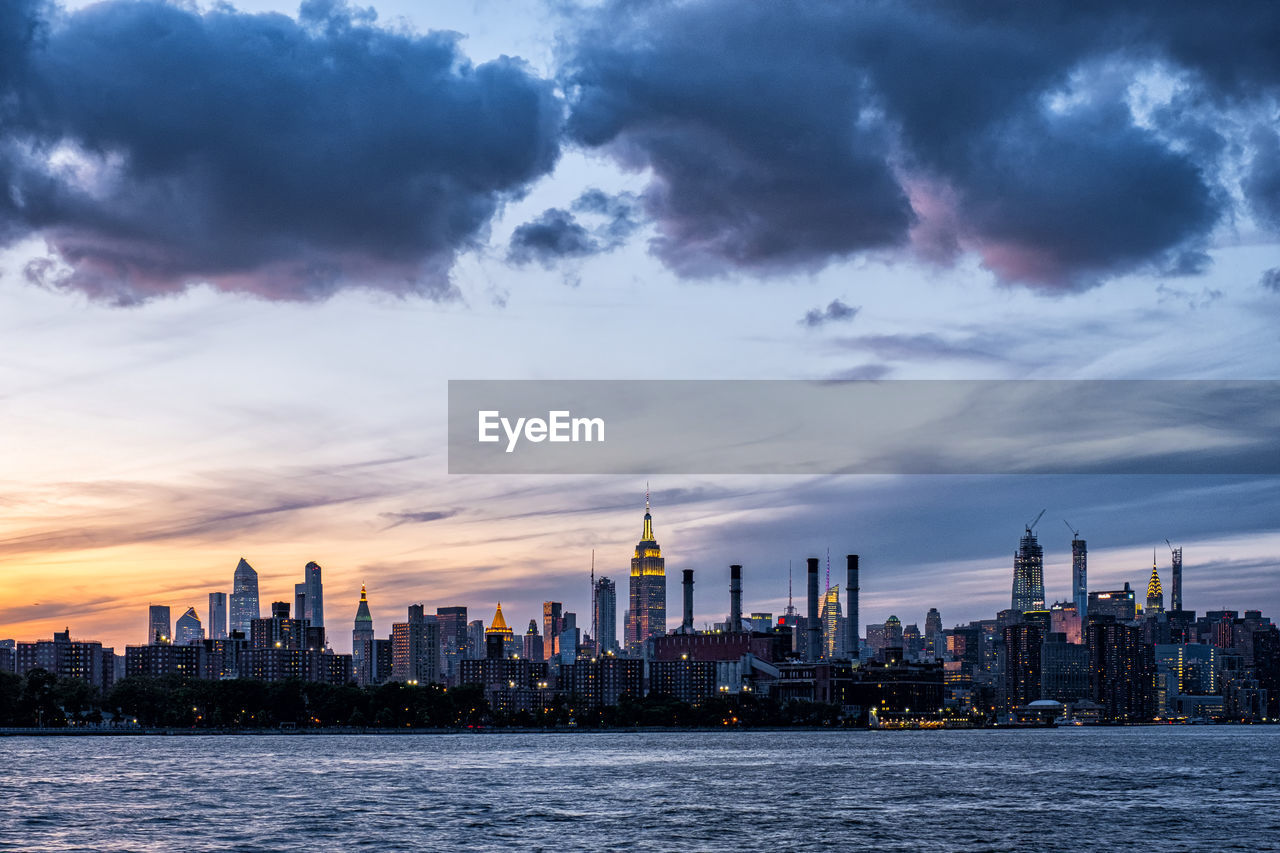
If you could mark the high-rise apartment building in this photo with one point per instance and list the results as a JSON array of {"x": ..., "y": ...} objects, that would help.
[
  {"x": 606, "y": 615},
  {"x": 1122, "y": 671},
  {"x": 1022, "y": 664},
  {"x": 453, "y": 641},
  {"x": 1175, "y": 601},
  {"x": 415, "y": 648},
  {"x": 647, "y": 615},
  {"x": 1080, "y": 576}
]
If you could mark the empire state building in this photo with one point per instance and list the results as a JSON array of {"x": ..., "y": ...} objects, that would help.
[{"x": 648, "y": 614}]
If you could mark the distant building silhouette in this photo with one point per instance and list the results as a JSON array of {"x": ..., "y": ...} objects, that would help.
[
  {"x": 244, "y": 597},
  {"x": 188, "y": 629},
  {"x": 217, "y": 616},
  {"x": 158, "y": 627}
]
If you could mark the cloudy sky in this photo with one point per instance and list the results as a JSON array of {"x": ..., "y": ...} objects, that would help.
[{"x": 243, "y": 249}]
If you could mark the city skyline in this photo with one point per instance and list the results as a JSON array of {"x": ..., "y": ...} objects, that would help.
[
  {"x": 207, "y": 405},
  {"x": 760, "y": 595}
]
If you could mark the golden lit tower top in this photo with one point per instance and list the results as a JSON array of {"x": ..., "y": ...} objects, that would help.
[
  {"x": 647, "y": 616},
  {"x": 499, "y": 625},
  {"x": 1155, "y": 593}
]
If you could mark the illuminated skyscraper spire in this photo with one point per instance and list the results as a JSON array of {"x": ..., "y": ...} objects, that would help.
[
  {"x": 1155, "y": 593},
  {"x": 647, "y": 616},
  {"x": 647, "y": 534},
  {"x": 362, "y": 640}
]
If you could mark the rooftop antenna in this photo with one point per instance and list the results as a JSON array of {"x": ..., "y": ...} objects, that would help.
[{"x": 789, "y": 603}]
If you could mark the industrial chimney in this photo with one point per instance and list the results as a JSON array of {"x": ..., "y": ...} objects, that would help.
[
  {"x": 851, "y": 588},
  {"x": 735, "y": 599},
  {"x": 812, "y": 627},
  {"x": 686, "y": 627}
]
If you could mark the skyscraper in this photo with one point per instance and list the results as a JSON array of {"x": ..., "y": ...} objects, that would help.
[
  {"x": 244, "y": 597},
  {"x": 1122, "y": 671},
  {"x": 415, "y": 648},
  {"x": 933, "y": 632},
  {"x": 647, "y": 616},
  {"x": 606, "y": 607},
  {"x": 188, "y": 629},
  {"x": 217, "y": 615},
  {"x": 315, "y": 595},
  {"x": 362, "y": 640},
  {"x": 1079, "y": 576},
  {"x": 453, "y": 640},
  {"x": 552, "y": 625},
  {"x": 1175, "y": 602},
  {"x": 158, "y": 624},
  {"x": 1155, "y": 593},
  {"x": 1028, "y": 574},
  {"x": 498, "y": 637},
  {"x": 1022, "y": 645},
  {"x": 532, "y": 643},
  {"x": 830, "y": 618}
]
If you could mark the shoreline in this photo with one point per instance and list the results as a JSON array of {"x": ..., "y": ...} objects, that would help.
[{"x": 72, "y": 731}]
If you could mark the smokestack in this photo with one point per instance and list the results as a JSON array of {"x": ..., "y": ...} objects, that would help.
[
  {"x": 851, "y": 590},
  {"x": 686, "y": 627},
  {"x": 735, "y": 599},
  {"x": 812, "y": 628}
]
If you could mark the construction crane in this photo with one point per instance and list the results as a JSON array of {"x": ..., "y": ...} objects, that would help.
[
  {"x": 1170, "y": 544},
  {"x": 1032, "y": 525},
  {"x": 1075, "y": 534}
]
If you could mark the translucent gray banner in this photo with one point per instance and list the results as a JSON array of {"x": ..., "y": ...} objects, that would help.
[{"x": 864, "y": 427}]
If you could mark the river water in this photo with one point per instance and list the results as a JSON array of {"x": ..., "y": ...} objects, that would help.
[{"x": 1167, "y": 788}]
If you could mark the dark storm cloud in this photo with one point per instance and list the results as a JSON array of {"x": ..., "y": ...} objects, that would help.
[
  {"x": 152, "y": 146},
  {"x": 1271, "y": 279},
  {"x": 556, "y": 234},
  {"x": 784, "y": 136},
  {"x": 552, "y": 235},
  {"x": 836, "y": 311}
]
